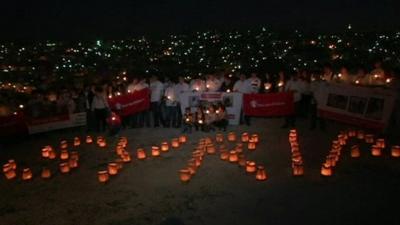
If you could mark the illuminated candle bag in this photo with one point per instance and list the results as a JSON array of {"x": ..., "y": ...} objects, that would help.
[
  {"x": 12, "y": 164},
  {"x": 46, "y": 173},
  {"x": 164, "y": 146},
  {"x": 355, "y": 151},
  {"x": 219, "y": 138},
  {"x": 376, "y": 150},
  {"x": 74, "y": 155},
  {"x": 255, "y": 138},
  {"x": 341, "y": 139},
  {"x": 352, "y": 133},
  {"x": 184, "y": 175},
  {"x": 326, "y": 170},
  {"x": 6, "y": 167},
  {"x": 233, "y": 156},
  {"x": 182, "y": 139},
  {"x": 73, "y": 163},
  {"x": 380, "y": 143},
  {"x": 292, "y": 136},
  {"x": 251, "y": 145},
  {"x": 102, "y": 143},
  {"x": 52, "y": 154},
  {"x": 89, "y": 139},
  {"x": 77, "y": 141},
  {"x": 298, "y": 170},
  {"x": 242, "y": 160},
  {"x": 395, "y": 151},
  {"x": 140, "y": 153},
  {"x": 9, "y": 173},
  {"x": 119, "y": 150},
  {"x": 231, "y": 136},
  {"x": 64, "y": 144},
  {"x": 64, "y": 167},
  {"x": 175, "y": 143},
  {"x": 245, "y": 137},
  {"x": 192, "y": 167},
  {"x": 112, "y": 169},
  {"x": 64, "y": 154},
  {"x": 26, "y": 174},
  {"x": 224, "y": 155},
  {"x": 251, "y": 167},
  {"x": 46, "y": 152},
  {"x": 369, "y": 138},
  {"x": 103, "y": 176},
  {"x": 210, "y": 149},
  {"x": 126, "y": 157},
  {"x": 261, "y": 174},
  {"x": 155, "y": 151}
]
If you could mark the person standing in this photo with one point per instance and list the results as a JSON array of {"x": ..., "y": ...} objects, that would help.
[
  {"x": 170, "y": 105},
  {"x": 100, "y": 108},
  {"x": 180, "y": 88},
  {"x": 213, "y": 84},
  {"x": 243, "y": 86},
  {"x": 295, "y": 86},
  {"x": 316, "y": 88},
  {"x": 255, "y": 83},
  {"x": 156, "y": 88}
]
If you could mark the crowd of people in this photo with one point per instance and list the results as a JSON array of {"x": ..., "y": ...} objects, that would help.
[{"x": 165, "y": 108}]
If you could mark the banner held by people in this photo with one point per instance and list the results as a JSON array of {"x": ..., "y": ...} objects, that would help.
[{"x": 273, "y": 104}]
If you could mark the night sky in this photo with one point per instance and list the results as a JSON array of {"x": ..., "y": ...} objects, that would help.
[{"x": 50, "y": 19}]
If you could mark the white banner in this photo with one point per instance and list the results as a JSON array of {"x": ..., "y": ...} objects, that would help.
[
  {"x": 232, "y": 102},
  {"x": 56, "y": 123},
  {"x": 363, "y": 106}
]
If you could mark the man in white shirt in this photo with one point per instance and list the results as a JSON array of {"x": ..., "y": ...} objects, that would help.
[
  {"x": 294, "y": 85},
  {"x": 157, "y": 89},
  {"x": 180, "y": 88},
  {"x": 316, "y": 88},
  {"x": 243, "y": 86},
  {"x": 255, "y": 83},
  {"x": 170, "y": 105}
]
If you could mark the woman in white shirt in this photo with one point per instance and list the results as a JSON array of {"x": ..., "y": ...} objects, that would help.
[{"x": 100, "y": 108}]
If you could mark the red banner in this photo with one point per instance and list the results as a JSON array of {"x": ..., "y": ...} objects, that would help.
[
  {"x": 274, "y": 104},
  {"x": 130, "y": 103}
]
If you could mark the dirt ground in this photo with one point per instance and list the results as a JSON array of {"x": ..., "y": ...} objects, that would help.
[{"x": 362, "y": 191}]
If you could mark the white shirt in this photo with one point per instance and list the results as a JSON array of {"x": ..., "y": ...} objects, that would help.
[
  {"x": 156, "y": 88},
  {"x": 241, "y": 86},
  {"x": 99, "y": 102},
  {"x": 181, "y": 88},
  {"x": 171, "y": 98},
  {"x": 295, "y": 86}
]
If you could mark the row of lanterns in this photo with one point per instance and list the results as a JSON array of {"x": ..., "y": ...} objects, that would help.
[{"x": 297, "y": 159}]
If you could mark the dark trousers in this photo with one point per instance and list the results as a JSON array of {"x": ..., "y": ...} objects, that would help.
[
  {"x": 144, "y": 118},
  {"x": 291, "y": 119},
  {"x": 90, "y": 120},
  {"x": 100, "y": 116},
  {"x": 221, "y": 124},
  {"x": 179, "y": 115},
  {"x": 187, "y": 127},
  {"x": 244, "y": 118},
  {"x": 171, "y": 116},
  {"x": 157, "y": 116},
  {"x": 314, "y": 118}
]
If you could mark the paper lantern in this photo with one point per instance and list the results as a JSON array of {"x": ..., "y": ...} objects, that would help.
[
  {"x": 224, "y": 155},
  {"x": 219, "y": 138},
  {"x": 77, "y": 141},
  {"x": 102, "y": 176},
  {"x": 164, "y": 146},
  {"x": 380, "y": 143},
  {"x": 298, "y": 170},
  {"x": 52, "y": 154},
  {"x": 140, "y": 153},
  {"x": 12, "y": 164},
  {"x": 155, "y": 151},
  {"x": 261, "y": 174},
  {"x": 360, "y": 134},
  {"x": 119, "y": 150},
  {"x": 10, "y": 174},
  {"x": 45, "y": 152},
  {"x": 192, "y": 167},
  {"x": 355, "y": 151},
  {"x": 175, "y": 143},
  {"x": 26, "y": 174},
  {"x": 99, "y": 139},
  {"x": 395, "y": 151},
  {"x": 46, "y": 173},
  {"x": 123, "y": 141},
  {"x": 74, "y": 155},
  {"x": 326, "y": 170},
  {"x": 120, "y": 163},
  {"x": 73, "y": 163},
  {"x": 126, "y": 157},
  {"x": 6, "y": 167},
  {"x": 182, "y": 139},
  {"x": 250, "y": 167},
  {"x": 245, "y": 137},
  {"x": 369, "y": 138},
  {"x": 210, "y": 149},
  {"x": 231, "y": 136},
  {"x": 376, "y": 150},
  {"x": 64, "y": 167},
  {"x": 64, "y": 154},
  {"x": 233, "y": 156},
  {"x": 184, "y": 175},
  {"x": 341, "y": 139},
  {"x": 251, "y": 145},
  {"x": 198, "y": 160},
  {"x": 64, "y": 144},
  {"x": 255, "y": 138},
  {"x": 292, "y": 136},
  {"x": 102, "y": 144},
  {"x": 89, "y": 139},
  {"x": 351, "y": 133},
  {"x": 112, "y": 169}
]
